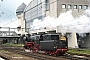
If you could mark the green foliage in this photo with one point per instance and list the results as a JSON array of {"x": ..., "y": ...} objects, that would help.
[{"x": 78, "y": 51}]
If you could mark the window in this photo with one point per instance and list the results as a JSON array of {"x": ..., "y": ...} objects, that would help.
[
  {"x": 54, "y": 37},
  {"x": 80, "y": 6},
  {"x": 75, "y": 6},
  {"x": 69, "y": 6},
  {"x": 47, "y": 5},
  {"x": 63, "y": 6},
  {"x": 85, "y": 6}
]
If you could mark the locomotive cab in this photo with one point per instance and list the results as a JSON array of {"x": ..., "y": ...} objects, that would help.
[
  {"x": 53, "y": 41},
  {"x": 54, "y": 44}
]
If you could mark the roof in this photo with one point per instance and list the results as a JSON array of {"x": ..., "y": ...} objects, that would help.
[
  {"x": 20, "y": 9},
  {"x": 8, "y": 34},
  {"x": 50, "y": 34}
]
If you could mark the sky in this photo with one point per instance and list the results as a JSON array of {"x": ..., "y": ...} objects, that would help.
[{"x": 8, "y": 8}]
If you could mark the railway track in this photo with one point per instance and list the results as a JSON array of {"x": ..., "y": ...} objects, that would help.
[
  {"x": 39, "y": 56},
  {"x": 33, "y": 55}
]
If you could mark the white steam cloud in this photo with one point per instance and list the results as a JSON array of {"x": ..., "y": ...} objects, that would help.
[{"x": 65, "y": 21}]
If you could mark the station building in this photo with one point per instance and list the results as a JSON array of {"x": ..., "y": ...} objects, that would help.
[{"x": 39, "y": 9}]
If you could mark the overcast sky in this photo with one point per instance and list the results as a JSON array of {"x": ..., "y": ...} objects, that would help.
[{"x": 8, "y": 12}]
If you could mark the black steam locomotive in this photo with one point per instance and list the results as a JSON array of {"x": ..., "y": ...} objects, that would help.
[{"x": 48, "y": 43}]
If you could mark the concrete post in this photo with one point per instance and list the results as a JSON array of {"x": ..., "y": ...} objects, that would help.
[{"x": 72, "y": 41}]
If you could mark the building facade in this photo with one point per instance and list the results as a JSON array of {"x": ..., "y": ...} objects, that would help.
[
  {"x": 39, "y": 9},
  {"x": 35, "y": 10}
]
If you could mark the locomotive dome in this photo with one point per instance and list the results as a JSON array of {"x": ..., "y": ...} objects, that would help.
[{"x": 20, "y": 9}]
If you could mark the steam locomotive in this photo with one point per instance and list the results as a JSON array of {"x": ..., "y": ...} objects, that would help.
[{"x": 53, "y": 44}]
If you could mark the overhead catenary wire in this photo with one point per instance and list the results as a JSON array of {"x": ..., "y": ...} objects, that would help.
[
  {"x": 6, "y": 14},
  {"x": 9, "y": 16},
  {"x": 10, "y": 22},
  {"x": 7, "y": 10}
]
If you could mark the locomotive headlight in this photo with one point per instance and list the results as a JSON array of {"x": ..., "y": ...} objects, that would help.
[
  {"x": 55, "y": 47},
  {"x": 66, "y": 47}
]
